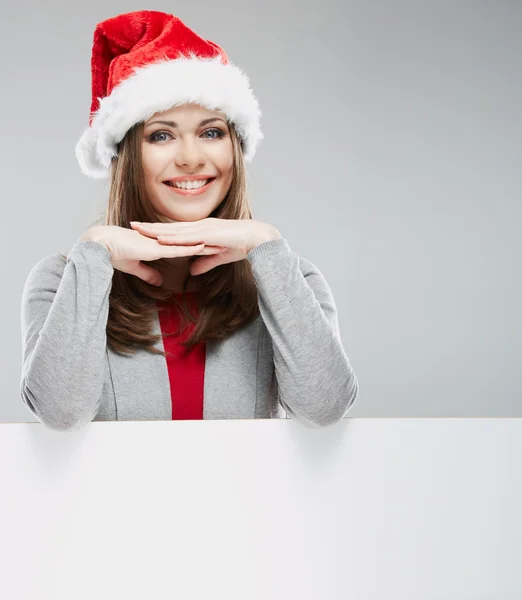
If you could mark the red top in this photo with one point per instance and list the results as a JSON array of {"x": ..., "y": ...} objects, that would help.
[{"x": 186, "y": 370}]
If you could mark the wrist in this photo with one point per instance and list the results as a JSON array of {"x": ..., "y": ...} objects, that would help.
[
  {"x": 94, "y": 234},
  {"x": 266, "y": 235}
]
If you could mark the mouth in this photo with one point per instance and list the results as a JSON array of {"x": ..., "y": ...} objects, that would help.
[{"x": 190, "y": 188}]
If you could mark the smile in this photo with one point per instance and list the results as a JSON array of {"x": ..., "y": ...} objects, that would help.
[{"x": 190, "y": 188}]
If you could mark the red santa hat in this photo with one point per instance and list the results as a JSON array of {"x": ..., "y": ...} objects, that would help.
[{"x": 147, "y": 61}]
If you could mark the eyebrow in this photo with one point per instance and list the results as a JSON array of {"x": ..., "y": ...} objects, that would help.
[{"x": 174, "y": 124}]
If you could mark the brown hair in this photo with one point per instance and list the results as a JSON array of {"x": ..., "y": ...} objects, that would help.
[{"x": 227, "y": 294}]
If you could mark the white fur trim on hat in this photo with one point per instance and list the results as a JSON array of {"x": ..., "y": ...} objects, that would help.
[{"x": 162, "y": 85}]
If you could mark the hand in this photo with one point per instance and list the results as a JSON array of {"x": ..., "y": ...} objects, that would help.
[
  {"x": 235, "y": 237},
  {"x": 128, "y": 248}
]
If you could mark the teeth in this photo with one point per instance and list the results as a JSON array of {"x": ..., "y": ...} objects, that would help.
[{"x": 190, "y": 185}]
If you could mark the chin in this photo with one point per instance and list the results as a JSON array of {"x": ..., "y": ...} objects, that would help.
[
  {"x": 185, "y": 211},
  {"x": 188, "y": 216}
]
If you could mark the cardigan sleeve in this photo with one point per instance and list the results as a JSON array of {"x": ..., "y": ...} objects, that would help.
[
  {"x": 65, "y": 307},
  {"x": 316, "y": 383}
]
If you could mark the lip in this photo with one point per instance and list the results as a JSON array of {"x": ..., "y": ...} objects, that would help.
[
  {"x": 195, "y": 192},
  {"x": 191, "y": 177}
]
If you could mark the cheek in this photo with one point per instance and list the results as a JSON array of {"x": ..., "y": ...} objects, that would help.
[
  {"x": 224, "y": 159},
  {"x": 227, "y": 167},
  {"x": 148, "y": 166},
  {"x": 152, "y": 161}
]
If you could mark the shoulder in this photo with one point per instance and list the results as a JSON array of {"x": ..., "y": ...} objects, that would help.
[
  {"x": 272, "y": 251},
  {"x": 314, "y": 277},
  {"x": 47, "y": 272},
  {"x": 277, "y": 254},
  {"x": 307, "y": 267},
  {"x": 52, "y": 264}
]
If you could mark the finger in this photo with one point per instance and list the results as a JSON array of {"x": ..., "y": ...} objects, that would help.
[
  {"x": 148, "y": 274},
  {"x": 184, "y": 238},
  {"x": 150, "y": 226},
  {"x": 211, "y": 250},
  {"x": 166, "y": 228},
  {"x": 147, "y": 233},
  {"x": 173, "y": 251},
  {"x": 203, "y": 265},
  {"x": 150, "y": 230},
  {"x": 160, "y": 243}
]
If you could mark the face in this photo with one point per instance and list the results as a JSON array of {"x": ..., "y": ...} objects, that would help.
[{"x": 190, "y": 147}]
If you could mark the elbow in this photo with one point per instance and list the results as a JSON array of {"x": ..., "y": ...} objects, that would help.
[
  {"x": 331, "y": 411},
  {"x": 59, "y": 421},
  {"x": 64, "y": 422},
  {"x": 52, "y": 416},
  {"x": 353, "y": 392},
  {"x": 347, "y": 400},
  {"x": 336, "y": 410}
]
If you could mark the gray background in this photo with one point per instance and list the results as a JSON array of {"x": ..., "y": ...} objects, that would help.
[{"x": 392, "y": 160}]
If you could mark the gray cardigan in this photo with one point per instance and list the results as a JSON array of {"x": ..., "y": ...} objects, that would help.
[{"x": 288, "y": 362}]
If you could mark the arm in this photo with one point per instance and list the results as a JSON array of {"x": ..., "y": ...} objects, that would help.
[
  {"x": 317, "y": 384},
  {"x": 65, "y": 307}
]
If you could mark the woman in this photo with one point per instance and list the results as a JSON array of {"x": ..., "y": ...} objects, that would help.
[{"x": 178, "y": 305}]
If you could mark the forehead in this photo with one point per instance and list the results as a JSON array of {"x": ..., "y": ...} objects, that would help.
[{"x": 188, "y": 112}]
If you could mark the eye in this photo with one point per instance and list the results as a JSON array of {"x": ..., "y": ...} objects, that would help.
[
  {"x": 153, "y": 137},
  {"x": 218, "y": 133},
  {"x": 216, "y": 130}
]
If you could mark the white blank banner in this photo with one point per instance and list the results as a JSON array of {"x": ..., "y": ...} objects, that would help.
[{"x": 413, "y": 509}]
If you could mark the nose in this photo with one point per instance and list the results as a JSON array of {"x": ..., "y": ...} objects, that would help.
[{"x": 189, "y": 153}]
